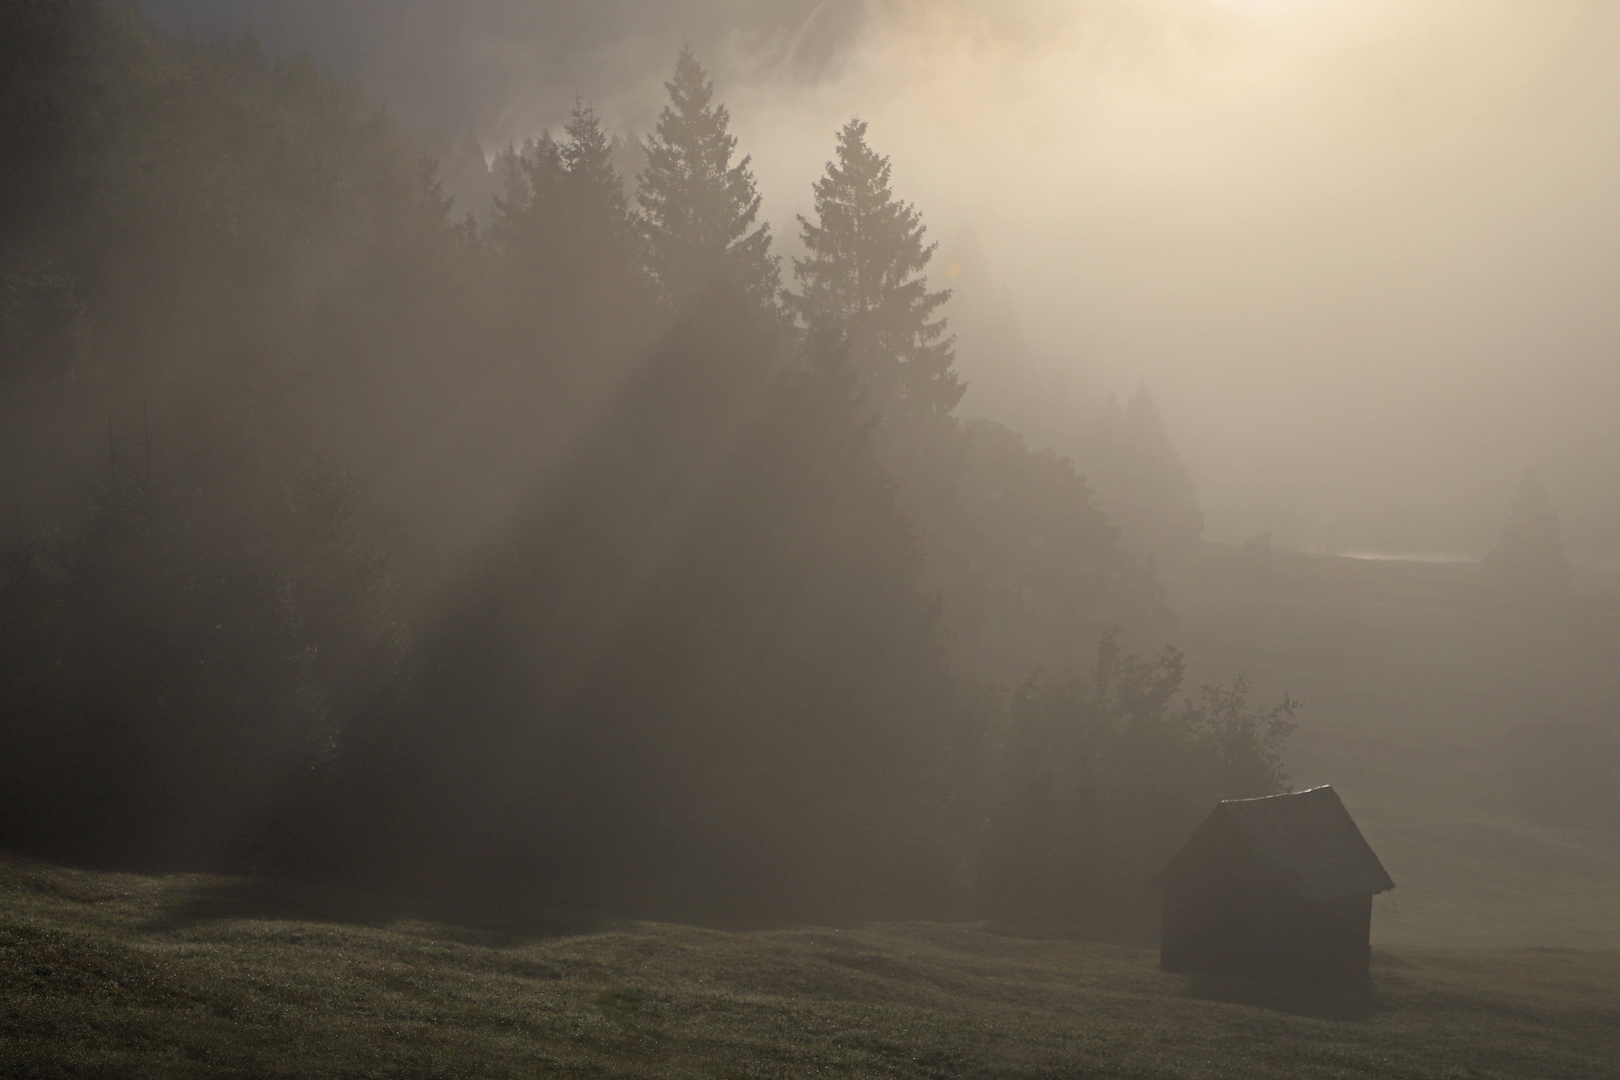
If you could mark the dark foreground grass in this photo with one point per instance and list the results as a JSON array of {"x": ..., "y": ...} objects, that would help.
[{"x": 113, "y": 976}]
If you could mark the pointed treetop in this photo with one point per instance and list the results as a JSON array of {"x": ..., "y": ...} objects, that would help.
[
  {"x": 698, "y": 210},
  {"x": 587, "y": 155},
  {"x": 523, "y": 172},
  {"x": 864, "y": 277},
  {"x": 691, "y": 91}
]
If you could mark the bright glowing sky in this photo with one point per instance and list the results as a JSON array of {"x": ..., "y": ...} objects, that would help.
[
  {"x": 1362, "y": 251},
  {"x": 1329, "y": 235}
]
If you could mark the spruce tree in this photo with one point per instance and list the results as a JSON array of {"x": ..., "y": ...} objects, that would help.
[
  {"x": 864, "y": 278},
  {"x": 527, "y": 176},
  {"x": 589, "y": 178},
  {"x": 698, "y": 210},
  {"x": 1530, "y": 554},
  {"x": 564, "y": 202},
  {"x": 571, "y": 282}
]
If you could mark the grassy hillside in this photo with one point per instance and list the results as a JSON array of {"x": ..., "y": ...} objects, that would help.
[
  {"x": 1415, "y": 678},
  {"x": 109, "y": 975},
  {"x": 1498, "y": 955}
]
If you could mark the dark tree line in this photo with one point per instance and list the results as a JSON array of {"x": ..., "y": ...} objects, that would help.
[{"x": 573, "y": 555}]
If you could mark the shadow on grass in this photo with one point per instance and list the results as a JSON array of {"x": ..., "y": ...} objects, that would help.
[
  {"x": 1358, "y": 1000},
  {"x": 468, "y": 921}
]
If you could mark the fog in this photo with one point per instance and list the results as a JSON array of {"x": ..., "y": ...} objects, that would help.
[
  {"x": 514, "y": 453},
  {"x": 1360, "y": 253}
]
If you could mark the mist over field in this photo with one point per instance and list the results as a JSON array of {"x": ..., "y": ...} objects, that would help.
[
  {"x": 1360, "y": 253},
  {"x": 866, "y": 537}
]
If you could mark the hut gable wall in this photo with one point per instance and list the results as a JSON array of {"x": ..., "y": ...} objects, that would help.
[
  {"x": 1312, "y": 842},
  {"x": 1272, "y": 887}
]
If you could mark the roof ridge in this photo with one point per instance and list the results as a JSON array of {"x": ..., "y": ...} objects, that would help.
[
  {"x": 1279, "y": 795},
  {"x": 1312, "y": 845}
]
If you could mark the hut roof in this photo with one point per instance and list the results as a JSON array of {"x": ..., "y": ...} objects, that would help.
[{"x": 1307, "y": 840}]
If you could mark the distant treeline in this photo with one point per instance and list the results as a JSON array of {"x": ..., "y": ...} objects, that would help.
[{"x": 571, "y": 555}]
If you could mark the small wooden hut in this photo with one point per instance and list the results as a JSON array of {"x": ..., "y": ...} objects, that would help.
[{"x": 1279, "y": 887}]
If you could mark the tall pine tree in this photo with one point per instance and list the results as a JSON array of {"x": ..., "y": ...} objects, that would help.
[
  {"x": 698, "y": 210},
  {"x": 864, "y": 279}
]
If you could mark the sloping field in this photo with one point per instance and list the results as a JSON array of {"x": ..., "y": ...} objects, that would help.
[
  {"x": 1498, "y": 954},
  {"x": 116, "y": 976},
  {"x": 1415, "y": 678}
]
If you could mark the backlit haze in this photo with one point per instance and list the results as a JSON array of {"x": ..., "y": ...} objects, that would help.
[{"x": 1362, "y": 252}]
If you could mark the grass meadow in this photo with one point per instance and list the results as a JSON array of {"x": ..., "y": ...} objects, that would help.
[
  {"x": 116, "y": 975},
  {"x": 1498, "y": 954}
]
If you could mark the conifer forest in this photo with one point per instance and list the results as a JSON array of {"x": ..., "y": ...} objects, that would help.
[{"x": 593, "y": 550}]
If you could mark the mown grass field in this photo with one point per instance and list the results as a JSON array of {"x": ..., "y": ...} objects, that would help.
[
  {"x": 115, "y": 975},
  {"x": 1498, "y": 954}
]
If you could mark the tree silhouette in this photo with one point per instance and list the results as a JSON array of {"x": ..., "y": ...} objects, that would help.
[
  {"x": 863, "y": 278},
  {"x": 1530, "y": 553},
  {"x": 1046, "y": 572},
  {"x": 569, "y": 274},
  {"x": 1144, "y": 482},
  {"x": 564, "y": 200},
  {"x": 698, "y": 210},
  {"x": 589, "y": 176}
]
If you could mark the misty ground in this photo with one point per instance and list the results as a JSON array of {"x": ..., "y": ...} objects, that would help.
[
  {"x": 1496, "y": 956},
  {"x": 1416, "y": 677}
]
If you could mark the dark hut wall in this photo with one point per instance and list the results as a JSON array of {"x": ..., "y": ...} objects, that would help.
[
  {"x": 1246, "y": 926},
  {"x": 1274, "y": 887}
]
